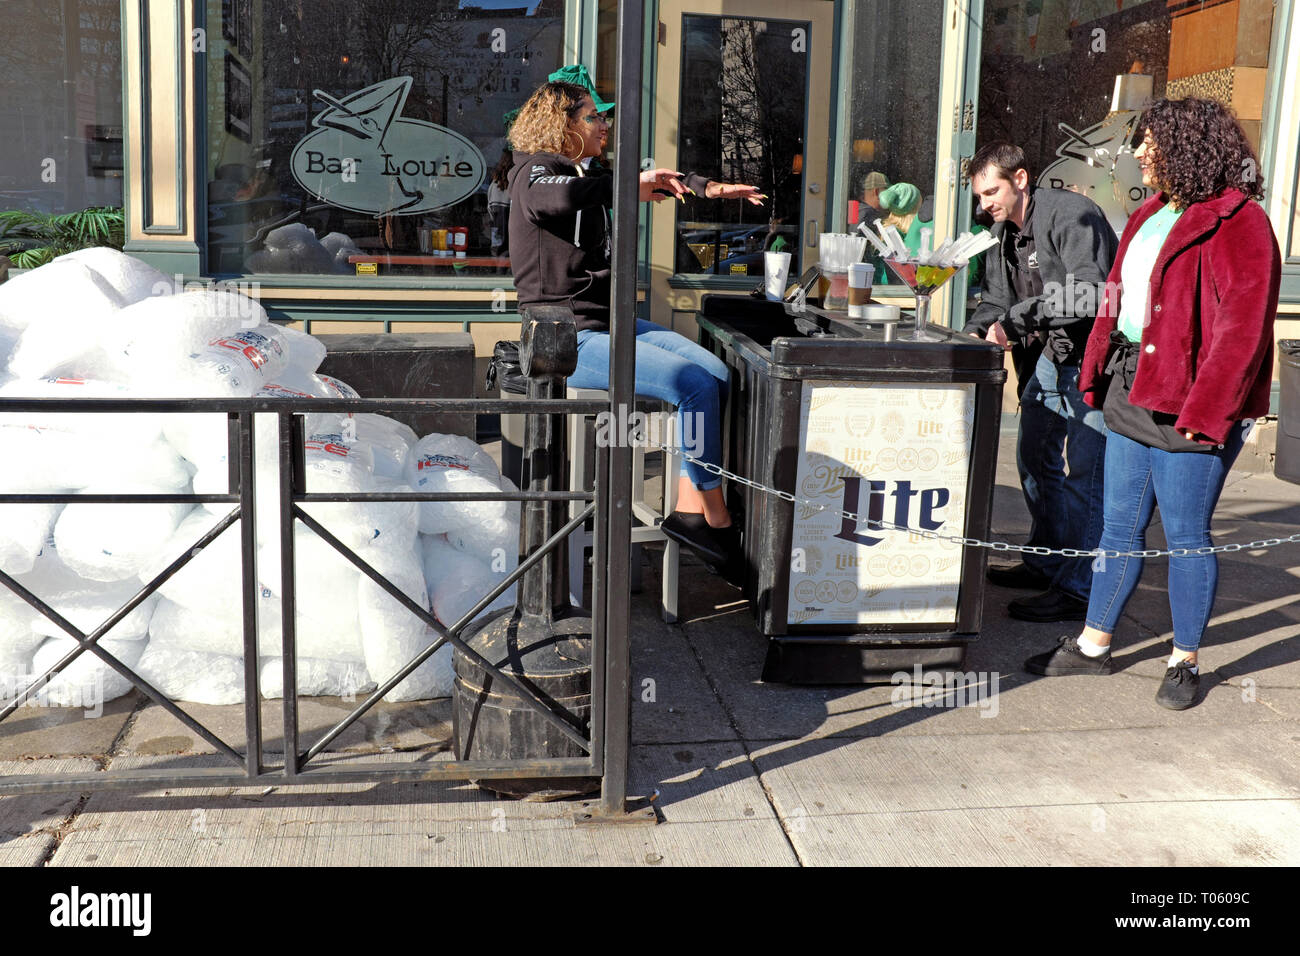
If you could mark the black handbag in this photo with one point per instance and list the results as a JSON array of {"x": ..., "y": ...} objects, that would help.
[
  {"x": 1142, "y": 425},
  {"x": 505, "y": 368}
]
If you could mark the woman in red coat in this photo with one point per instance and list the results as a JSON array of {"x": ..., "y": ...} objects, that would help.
[{"x": 1180, "y": 360}]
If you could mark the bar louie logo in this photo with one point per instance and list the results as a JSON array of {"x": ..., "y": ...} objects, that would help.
[{"x": 365, "y": 157}]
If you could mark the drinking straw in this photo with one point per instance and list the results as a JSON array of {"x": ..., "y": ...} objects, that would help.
[
  {"x": 879, "y": 246},
  {"x": 962, "y": 249},
  {"x": 895, "y": 240}
]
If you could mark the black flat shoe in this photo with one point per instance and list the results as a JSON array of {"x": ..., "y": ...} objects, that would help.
[
  {"x": 1178, "y": 689},
  {"x": 1018, "y": 575},
  {"x": 1065, "y": 659},
  {"x": 713, "y": 546},
  {"x": 1050, "y": 606},
  {"x": 718, "y": 548}
]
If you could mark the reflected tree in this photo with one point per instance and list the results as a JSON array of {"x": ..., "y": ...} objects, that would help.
[{"x": 763, "y": 80}]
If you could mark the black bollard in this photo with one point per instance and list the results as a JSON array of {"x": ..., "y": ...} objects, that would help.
[{"x": 544, "y": 642}]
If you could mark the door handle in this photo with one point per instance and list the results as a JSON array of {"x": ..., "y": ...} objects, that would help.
[{"x": 812, "y": 233}]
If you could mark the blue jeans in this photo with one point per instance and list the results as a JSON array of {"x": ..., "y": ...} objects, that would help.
[
  {"x": 1186, "y": 485},
  {"x": 1060, "y": 455},
  {"x": 674, "y": 369}
]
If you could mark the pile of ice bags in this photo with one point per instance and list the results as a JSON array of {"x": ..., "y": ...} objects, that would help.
[{"x": 98, "y": 323}]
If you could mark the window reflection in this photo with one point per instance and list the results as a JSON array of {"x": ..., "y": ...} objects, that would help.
[
  {"x": 61, "y": 105},
  {"x": 279, "y": 70},
  {"x": 1066, "y": 81},
  {"x": 894, "y": 108},
  {"x": 742, "y": 120}
]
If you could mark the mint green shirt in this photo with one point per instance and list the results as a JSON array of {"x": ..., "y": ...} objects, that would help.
[{"x": 1135, "y": 274}]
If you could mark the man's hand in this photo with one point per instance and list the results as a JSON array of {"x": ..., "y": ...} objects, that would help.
[
  {"x": 997, "y": 335},
  {"x": 659, "y": 184},
  {"x": 734, "y": 191}
]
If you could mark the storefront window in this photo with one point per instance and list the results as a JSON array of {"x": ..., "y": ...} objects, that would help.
[
  {"x": 359, "y": 137},
  {"x": 1066, "y": 81},
  {"x": 742, "y": 120},
  {"x": 61, "y": 105},
  {"x": 894, "y": 84}
]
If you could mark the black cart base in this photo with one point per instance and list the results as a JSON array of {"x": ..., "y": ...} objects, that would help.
[
  {"x": 858, "y": 659},
  {"x": 895, "y": 431}
]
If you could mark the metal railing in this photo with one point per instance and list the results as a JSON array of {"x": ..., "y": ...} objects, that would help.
[{"x": 300, "y": 764}]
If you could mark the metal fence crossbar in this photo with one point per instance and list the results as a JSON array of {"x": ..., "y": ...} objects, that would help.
[
  {"x": 445, "y": 635},
  {"x": 240, "y": 414},
  {"x": 90, "y": 641}
]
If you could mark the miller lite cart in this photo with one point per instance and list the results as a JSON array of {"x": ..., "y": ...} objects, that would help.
[{"x": 849, "y": 418}]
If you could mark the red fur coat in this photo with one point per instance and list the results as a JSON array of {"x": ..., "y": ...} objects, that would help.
[{"x": 1207, "y": 347}]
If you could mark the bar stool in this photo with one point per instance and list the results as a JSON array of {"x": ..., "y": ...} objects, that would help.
[{"x": 646, "y": 518}]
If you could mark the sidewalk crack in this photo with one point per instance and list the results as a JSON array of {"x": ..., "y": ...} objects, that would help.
[
  {"x": 768, "y": 795},
  {"x": 102, "y": 763}
]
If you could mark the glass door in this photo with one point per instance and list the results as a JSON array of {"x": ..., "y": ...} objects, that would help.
[{"x": 742, "y": 95}]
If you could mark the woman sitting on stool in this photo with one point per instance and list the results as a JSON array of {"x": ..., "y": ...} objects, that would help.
[{"x": 560, "y": 235}]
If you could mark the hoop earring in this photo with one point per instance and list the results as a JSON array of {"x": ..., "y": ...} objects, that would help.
[{"x": 564, "y": 149}]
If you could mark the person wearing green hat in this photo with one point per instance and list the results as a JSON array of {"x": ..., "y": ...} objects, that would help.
[
  {"x": 900, "y": 199},
  {"x": 578, "y": 76},
  {"x": 900, "y": 204}
]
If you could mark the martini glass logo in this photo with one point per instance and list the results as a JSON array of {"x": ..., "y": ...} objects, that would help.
[
  {"x": 364, "y": 156},
  {"x": 1099, "y": 163}
]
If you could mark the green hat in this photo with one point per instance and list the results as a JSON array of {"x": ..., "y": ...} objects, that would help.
[
  {"x": 901, "y": 199},
  {"x": 578, "y": 76}
]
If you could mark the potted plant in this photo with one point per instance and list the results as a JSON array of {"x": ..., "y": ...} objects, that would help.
[{"x": 31, "y": 239}]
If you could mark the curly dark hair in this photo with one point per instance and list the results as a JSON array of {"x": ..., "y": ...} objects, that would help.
[
  {"x": 541, "y": 124},
  {"x": 1201, "y": 150}
]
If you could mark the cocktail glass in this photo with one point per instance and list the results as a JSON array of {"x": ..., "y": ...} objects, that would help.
[{"x": 924, "y": 281}]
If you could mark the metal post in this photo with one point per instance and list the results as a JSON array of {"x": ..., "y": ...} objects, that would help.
[
  {"x": 614, "y": 514},
  {"x": 248, "y": 548},
  {"x": 548, "y": 354},
  {"x": 290, "y": 433}
]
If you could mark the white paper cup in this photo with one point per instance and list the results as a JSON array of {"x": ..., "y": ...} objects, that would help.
[
  {"x": 776, "y": 272},
  {"x": 860, "y": 277}
]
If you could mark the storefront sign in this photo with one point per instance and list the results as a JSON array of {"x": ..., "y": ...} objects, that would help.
[
  {"x": 895, "y": 453},
  {"x": 364, "y": 157}
]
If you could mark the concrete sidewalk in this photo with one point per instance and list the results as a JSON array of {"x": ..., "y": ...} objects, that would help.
[{"x": 1053, "y": 771}]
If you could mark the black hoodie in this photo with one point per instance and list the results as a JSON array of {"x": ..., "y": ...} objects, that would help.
[{"x": 560, "y": 233}]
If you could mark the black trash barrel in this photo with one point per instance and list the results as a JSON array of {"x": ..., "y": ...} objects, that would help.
[
  {"x": 827, "y": 408},
  {"x": 1286, "y": 464}
]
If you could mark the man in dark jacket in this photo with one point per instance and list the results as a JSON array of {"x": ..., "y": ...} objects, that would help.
[{"x": 1043, "y": 285}]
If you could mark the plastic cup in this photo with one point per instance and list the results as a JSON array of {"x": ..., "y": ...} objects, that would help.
[
  {"x": 776, "y": 273},
  {"x": 835, "y": 290}
]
